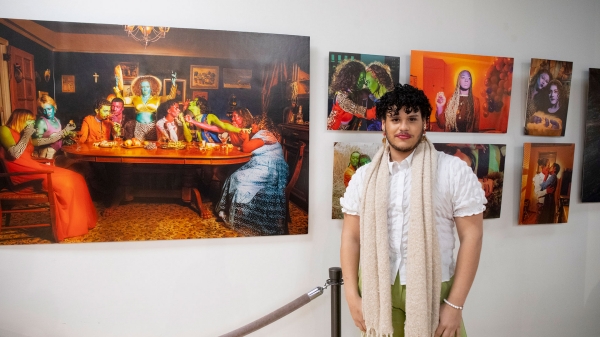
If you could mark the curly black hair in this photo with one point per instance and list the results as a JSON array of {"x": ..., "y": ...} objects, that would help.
[
  {"x": 407, "y": 96},
  {"x": 346, "y": 75},
  {"x": 100, "y": 103},
  {"x": 163, "y": 108},
  {"x": 382, "y": 73}
]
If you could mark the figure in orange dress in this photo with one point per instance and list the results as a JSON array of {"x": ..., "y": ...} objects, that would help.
[{"x": 75, "y": 212}]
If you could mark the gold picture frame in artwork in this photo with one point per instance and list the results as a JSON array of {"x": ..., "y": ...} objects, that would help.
[
  {"x": 204, "y": 77},
  {"x": 200, "y": 94},
  {"x": 68, "y": 83},
  {"x": 130, "y": 70},
  {"x": 181, "y": 89}
]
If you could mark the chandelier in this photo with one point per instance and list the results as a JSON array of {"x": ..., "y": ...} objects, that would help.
[{"x": 146, "y": 34}]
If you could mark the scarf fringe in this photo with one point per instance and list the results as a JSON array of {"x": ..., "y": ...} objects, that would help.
[{"x": 373, "y": 333}]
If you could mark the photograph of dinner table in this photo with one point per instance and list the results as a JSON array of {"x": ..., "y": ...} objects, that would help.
[{"x": 190, "y": 157}]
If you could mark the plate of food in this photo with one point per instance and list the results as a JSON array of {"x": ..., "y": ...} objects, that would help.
[
  {"x": 105, "y": 143},
  {"x": 133, "y": 143},
  {"x": 179, "y": 145}
]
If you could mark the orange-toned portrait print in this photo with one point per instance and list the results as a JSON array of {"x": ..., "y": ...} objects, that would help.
[
  {"x": 468, "y": 93},
  {"x": 546, "y": 183}
]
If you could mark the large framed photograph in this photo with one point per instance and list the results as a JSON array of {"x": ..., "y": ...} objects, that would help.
[
  {"x": 235, "y": 193},
  {"x": 204, "y": 77},
  {"x": 130, "y": 70},
  {"x": 181, "y": 88},
  {"x": 68, "y": 83},
  {"x": 237, "y": 78}
]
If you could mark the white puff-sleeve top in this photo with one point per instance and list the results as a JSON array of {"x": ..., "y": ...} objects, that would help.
[{"x": 457, "y": 193}]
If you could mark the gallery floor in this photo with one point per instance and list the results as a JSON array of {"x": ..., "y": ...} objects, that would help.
[{"x": 141, "y": 221}]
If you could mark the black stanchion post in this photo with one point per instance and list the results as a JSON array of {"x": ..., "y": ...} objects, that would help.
[{"x": 335, "y": 280}]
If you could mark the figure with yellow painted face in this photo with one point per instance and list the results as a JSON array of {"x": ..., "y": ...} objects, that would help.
[{"x": 202, "y": 124}]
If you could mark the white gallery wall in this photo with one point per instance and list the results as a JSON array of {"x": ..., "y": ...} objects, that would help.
[{"x": 541, "y": 280}]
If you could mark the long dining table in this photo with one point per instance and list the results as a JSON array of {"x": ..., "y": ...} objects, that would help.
[{"x": 191, "y": 156}]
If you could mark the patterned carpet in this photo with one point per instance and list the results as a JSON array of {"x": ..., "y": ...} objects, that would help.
[{"x": 140, "y": 221}]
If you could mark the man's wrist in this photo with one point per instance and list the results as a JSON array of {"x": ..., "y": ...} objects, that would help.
[
  {"x": 459, "y": 307},
  {"x": 351, "y": 294}
]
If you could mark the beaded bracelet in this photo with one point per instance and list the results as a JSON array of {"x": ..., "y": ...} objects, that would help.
[{"x": 452, "y": 305}]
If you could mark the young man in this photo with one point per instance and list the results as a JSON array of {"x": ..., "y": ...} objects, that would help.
[
  {"x": 96, "y": 128},
  {"x": 116, "y": 116},
  {"x": 400, "y": 227},
  {"x": 170, "y": 127}
]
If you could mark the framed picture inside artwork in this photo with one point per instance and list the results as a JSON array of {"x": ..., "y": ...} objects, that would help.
[
  {"x": 237, "y": 78},
  {"x": 200, "y": 93},
  {"x": 68, "y": 83},
  {"x": 181, "y": 88},
  {"x": 204, "y": 77},
  {"x": 127, "y": 93},
  {"x": 130, "y": 70},
  {"x": 127, "y": 90}
]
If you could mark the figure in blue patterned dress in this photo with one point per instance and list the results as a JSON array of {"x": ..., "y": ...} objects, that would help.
[{"x": 253, "y": 197}]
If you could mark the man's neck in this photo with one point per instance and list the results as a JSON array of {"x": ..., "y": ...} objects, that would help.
[{"x": 399, "y": 156}]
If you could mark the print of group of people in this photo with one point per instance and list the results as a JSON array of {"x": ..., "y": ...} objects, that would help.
[
  {"x": 253, "y": 198},
  {"x": 356, "y": 88},
  {"x": 547, "y": 103}
]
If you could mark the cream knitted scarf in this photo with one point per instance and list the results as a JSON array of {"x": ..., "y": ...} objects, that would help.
[{"x": 423, "y": 265}]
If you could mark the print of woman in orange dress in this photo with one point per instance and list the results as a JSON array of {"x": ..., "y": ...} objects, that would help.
[{"x": 75, "y": 212}]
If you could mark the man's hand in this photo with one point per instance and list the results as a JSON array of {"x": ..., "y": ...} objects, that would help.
[
  {"x": 68, "y": 128},
  {"x": 450, "y": 319},
  {"x": 355, "y": 306}
]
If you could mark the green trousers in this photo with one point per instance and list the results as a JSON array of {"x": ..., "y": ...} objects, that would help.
[{"x": 399, "y": 304}]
